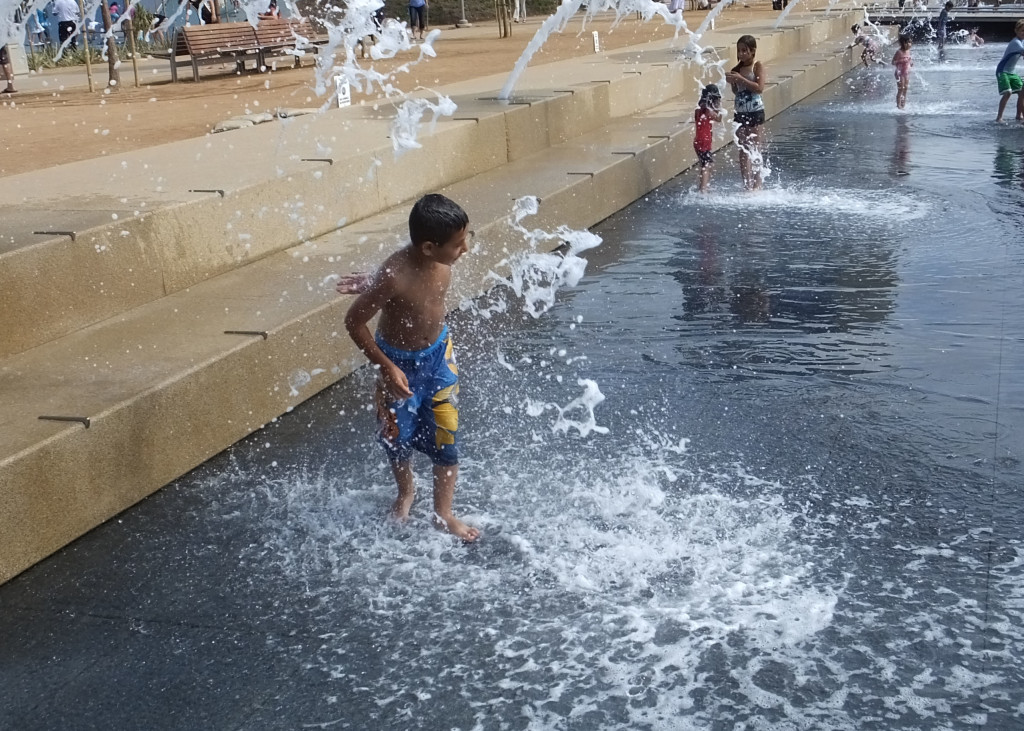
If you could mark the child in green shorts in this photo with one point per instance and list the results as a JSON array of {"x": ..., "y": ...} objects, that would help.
[{"x": 1009, "y": 82}]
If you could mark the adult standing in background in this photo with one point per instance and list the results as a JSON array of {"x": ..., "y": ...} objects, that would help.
[
  {"x": 207, "y": 10},
  {"x": 36, "y": 25},
  {"x": 418, "y": 17},
  {"x": 943, "y": 25},
  {"x": 68, "y": 16},
  {"x": 519, "y": 14}
]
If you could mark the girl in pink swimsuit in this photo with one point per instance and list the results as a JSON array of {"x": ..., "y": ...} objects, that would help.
[{"x": 903, "y": 62}]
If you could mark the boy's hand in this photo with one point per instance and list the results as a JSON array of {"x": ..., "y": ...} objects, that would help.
[
  {"x": 355, "y": 283},
  {"x": 395, "y": 382}
]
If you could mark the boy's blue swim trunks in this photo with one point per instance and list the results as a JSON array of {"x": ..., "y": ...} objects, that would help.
[{"x": 428, "y": 421}]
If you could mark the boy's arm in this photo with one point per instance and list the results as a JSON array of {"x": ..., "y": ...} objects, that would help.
[
  {"x": 355, "y": 283},
  {"x": 380, "y": 289}
]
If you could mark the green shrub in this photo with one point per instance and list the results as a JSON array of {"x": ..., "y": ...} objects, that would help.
[{"x": 47, "y": 57}]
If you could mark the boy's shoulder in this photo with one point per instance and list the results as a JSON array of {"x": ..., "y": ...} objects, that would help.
[
  {"x": 398, "y": 260},
  {"x": 394, "y": 268}
]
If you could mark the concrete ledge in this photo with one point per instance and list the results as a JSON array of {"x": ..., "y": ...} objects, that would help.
[
  {"x": 165, "y": 389},
  {"x": 163, "y": 219}
]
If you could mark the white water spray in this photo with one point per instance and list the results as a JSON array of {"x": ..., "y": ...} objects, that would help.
[
  {"x": 557, "y": 21},
  {"x": 583, "y": 404},
  {"x": 536, "y": 276},
  {"x": 341, "y": 58},
  {"x": 785, "y": 13},
  {"x": 405, "y": 130}
]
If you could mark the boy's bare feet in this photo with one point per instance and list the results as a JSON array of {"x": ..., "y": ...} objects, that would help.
[
  {"x": 401, "y": 507},
  {"x": 456, "y": 527}
]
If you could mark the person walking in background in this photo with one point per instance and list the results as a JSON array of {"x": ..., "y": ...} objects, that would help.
[
  {"x": 68, "y": 16},
  {"x": 902, "y": 62},
  {"x": 704, "y": 115},
  {"x": 748, "y": 81},
  {"x": 417, "y": 17},
  {"x": 5, "y": 63},
  {"x": 1009, "y": 82}
]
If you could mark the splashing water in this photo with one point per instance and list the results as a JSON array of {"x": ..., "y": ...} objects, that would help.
[
  {"x": 346, "y": 31},
  {"x": 709, "y": 19},
  {"x": 788, "y": 9},
  {"x": 862, "y": 205},
  {"x": 556, "y": 22},
  {"x": 405, "y": 129},
  {"x": 614, "y": 584},
  {"x": 585, "y": 403},
  {"x": 537, "y": 276}
]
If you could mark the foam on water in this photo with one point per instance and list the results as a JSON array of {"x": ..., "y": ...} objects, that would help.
[
  {"x": 607, "y": 586},
  {"x": 884, "y": 205},
  {"x": 959, "y": 68},
  {"x": 914, "y": 108}
]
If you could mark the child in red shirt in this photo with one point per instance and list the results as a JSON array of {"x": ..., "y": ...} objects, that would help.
[{"x": 707, "y": 111}]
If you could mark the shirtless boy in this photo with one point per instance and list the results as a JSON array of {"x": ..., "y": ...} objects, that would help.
[{"x": 418, "y": 378}]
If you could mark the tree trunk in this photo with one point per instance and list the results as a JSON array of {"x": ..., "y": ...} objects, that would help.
[{"x": 113, "y": 75}]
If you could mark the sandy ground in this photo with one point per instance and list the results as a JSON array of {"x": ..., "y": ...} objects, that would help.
[{"x": 56, "y": 120}]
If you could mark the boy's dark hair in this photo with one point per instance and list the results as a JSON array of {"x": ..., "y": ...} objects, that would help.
[
  {"x": 855, "y": 28},
  {"x": 436, "y": 218}
]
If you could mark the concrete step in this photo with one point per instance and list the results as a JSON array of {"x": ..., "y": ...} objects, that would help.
[{"x": 118, "y": 232}]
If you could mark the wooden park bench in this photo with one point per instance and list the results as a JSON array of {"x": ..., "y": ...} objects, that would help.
[
  {"x": 178, "y": 48},
  {"x": 202, "y": 45},
  {"x": 275, "y": 35}
]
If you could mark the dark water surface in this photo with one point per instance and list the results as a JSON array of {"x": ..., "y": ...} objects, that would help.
[{"x": 801, "y": 508}]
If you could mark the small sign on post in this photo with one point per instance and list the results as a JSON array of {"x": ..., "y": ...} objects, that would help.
[
  {"x": 597, "y": 43},
  {"x": 344, "y": 91}
]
